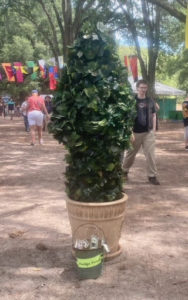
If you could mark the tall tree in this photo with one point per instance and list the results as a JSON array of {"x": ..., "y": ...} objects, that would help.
[
  {"x": 18, "y": 42},
  {"x": 142, "y": 20},
  {"x": 174, "y": 66},
  {"x": 58, "y": 21}
]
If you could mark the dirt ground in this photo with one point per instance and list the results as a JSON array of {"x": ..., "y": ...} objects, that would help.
[{"x": 35, "y": 239}]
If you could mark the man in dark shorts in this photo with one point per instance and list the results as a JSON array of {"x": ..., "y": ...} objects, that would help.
[
  {"x": 49, "y": 107},
  {"x": 11, "y": 106},
  {"x": 1, "y": 106}
]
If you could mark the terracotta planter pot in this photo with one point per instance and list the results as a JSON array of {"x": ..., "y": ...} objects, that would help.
[{"x": 109, "y": 216}]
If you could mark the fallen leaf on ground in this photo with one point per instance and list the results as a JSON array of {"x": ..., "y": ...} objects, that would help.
[
  {"x": 16, "y": 234},
  {"x": 41, "y": 247}
]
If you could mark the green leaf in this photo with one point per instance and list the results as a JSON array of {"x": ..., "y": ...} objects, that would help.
[
  {"x": 93, "y": 105},
  {"x": 110, "y": 167},
  {"x": 80, "y": 143},
  {"x": 80, "y": 54},
  {"x": 90, "y": 91},
  {"x": 103, "y": 123}
]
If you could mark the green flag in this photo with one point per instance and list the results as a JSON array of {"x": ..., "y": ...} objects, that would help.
[{"x": 33, "y": 69}]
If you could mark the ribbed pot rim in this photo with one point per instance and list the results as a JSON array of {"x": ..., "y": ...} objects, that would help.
[{"x": 94, "y": 204}]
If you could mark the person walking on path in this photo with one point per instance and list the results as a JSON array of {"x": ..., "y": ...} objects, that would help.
[
  {"x": 5, "y": 110},
  {"x": 157, "y": 108},
  {"x": 11, "y": 107},
  {"x": 23, "y": 110},
  {"x": 185, "y": 122},
  {"x": 35, "y": 111},
  {"x": 48, "y": 104},
  {"x": 1, "y": 107},
  {"x": 143, "y": 133}
]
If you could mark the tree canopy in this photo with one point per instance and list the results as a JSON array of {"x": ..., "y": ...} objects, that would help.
[{"x": 35, "y": 29}]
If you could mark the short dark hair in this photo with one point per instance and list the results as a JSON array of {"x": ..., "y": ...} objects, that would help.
[
  {"x": 34, "y": 92},
  {"x": 141, "y": 81}
]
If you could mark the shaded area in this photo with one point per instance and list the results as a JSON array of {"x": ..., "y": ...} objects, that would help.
[{"x": 35, "y": 237}]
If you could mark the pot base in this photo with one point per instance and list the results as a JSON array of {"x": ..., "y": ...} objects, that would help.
[
  {"x": 109, "y": 217},
  {"x": 110, "y": 256}
]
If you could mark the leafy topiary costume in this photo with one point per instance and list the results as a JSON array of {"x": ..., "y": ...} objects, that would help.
[{"x": 93, "y": 116}]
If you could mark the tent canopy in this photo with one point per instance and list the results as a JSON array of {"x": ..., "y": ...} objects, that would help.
[{"x": 160, "y": 89}]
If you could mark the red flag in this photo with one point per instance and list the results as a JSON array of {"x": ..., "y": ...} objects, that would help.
[
  {"x": 53, "y": 75},
  {"x": 9, "y": 71},
  {"x": 134, "y": 66},
  {"x": 126, "y": 61},
  {"x": 19, "y": 74}
]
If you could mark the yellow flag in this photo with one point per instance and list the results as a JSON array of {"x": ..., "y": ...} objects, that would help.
[
  {"x": 35, "y": 68},
  {"x": 24, "y": 70},
  {"x": 186, "y": 31}
]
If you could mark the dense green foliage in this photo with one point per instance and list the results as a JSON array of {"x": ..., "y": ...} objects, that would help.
[
  {"x": 182, "y": 62},
  {"x": 20, "y": 42},
  {"x": 93, "y": 116},
  {"x": 40, "y": 29}
]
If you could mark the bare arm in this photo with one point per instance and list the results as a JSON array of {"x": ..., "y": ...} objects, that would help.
[
  {"x": 154, "y": 122},
  {"x": 23, "y": 108},
  {"x": 27, "y": 107},
  {"x": 45, "y": 110},
  {"x": 132, "y": 138},
  {"x": 157, "y": 106}
]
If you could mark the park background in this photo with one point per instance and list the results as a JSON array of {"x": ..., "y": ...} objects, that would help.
[
  {"x": 40, "y": 30},
  {"x": 35, "y": 237}
]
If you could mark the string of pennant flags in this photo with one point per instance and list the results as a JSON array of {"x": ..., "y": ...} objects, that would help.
[{"x": 16, "y": 72}]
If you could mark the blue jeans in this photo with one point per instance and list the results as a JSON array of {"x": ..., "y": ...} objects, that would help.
[{"x": 26, "y": 123}]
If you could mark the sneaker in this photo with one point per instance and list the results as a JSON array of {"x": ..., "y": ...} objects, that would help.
[
  {"x": 41, "y": 142},
  {"x": 32, "y": 144},
  {"x": 186, "y": 148},
  {"x": 153, "y": 180}
]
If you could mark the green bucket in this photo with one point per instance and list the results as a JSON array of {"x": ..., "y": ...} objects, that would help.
[{"x": 89, "y": 263}]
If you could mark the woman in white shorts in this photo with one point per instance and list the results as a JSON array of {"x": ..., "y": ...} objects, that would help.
[{"x": 35, "y": 109}]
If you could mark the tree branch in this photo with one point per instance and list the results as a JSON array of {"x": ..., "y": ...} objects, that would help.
[
  {"x": 183, "y": 3},
  {"x": 89, "y": 5},
  {"x": 172, "y": 11},
  {"x": 147, "y": 21},
  {"x": 59, "y": 21},
  {"x": 29, "y": 17},
  {"x": 51, "y": 24},
  {"x": 132, "y": 28},
  {"x": 68, "y": 26}
]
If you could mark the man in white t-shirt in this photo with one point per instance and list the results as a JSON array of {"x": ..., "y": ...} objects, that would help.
[{"x": 23, "y": 110}]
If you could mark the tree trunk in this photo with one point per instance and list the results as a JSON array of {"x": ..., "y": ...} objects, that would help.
[{"x": 152, "y": 28}]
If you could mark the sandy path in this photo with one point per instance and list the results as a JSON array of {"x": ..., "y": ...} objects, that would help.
[{"x": 35, "y": 241}]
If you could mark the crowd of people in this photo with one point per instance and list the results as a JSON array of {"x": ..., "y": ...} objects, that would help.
[
  {"x": 35, "y": 111},
  {"x": 9, "y": 108}
]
